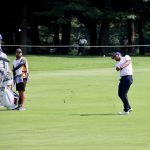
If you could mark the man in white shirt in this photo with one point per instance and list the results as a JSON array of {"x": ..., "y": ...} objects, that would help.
[{"x": 124, "y": 65}]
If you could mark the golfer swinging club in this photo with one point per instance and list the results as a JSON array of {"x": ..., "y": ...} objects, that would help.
[{"x": 124, "y": 65}]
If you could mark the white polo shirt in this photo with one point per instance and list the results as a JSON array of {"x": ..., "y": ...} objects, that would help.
[
  {"x": 127, "y": 70},
  {"x": 82, "y": 41}
]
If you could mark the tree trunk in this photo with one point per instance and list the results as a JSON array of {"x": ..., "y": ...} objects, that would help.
[
  {"x": 66, "y": 30},
  {"x": 34, "y": 35},
  {"x": 104, "y": 30},
  {"x": 141, "y": 36},
  {"x": 23, "y": 40},
  {"x": 56, "y": 37},
  {"x": 131, "y": 35},
  {"x": 93, "y": 37},
  {"x": 103, "y": 37},
  {"x": 56, "y": 34}
]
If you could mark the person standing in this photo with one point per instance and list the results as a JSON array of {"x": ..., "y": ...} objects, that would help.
[
  {"x": 21, "y": 76},
  {"x": 124, "y": 65},
  {"x": 81, "y": 42}
]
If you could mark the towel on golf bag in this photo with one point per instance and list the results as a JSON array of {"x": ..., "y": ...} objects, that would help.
[{"x": 8, "y": 98}]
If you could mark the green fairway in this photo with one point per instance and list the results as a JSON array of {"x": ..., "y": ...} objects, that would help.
[{"x": 72, "y": 104}]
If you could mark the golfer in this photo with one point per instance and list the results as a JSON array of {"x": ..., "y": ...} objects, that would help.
[{"x": 124, "y": 65}]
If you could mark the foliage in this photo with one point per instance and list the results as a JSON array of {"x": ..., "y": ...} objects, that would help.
[{"x": 48, "y": 13}]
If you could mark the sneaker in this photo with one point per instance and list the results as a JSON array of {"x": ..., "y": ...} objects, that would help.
[
  {"x": 130, "y": 110},
  {"x": 124, "y": 113},
  {"x": 17, "y": 108},
  {"x": 21, "y": 108}
]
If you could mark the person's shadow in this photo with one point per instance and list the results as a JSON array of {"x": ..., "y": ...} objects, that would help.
[{"x": 102, "y": 114}]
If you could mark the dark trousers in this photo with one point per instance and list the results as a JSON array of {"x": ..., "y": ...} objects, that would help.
[
  {"x": 123, "y": 88},
  {"x": 80, "y": 50}
]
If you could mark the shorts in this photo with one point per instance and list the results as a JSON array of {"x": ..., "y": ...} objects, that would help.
[{"x": 21, "y": 86}]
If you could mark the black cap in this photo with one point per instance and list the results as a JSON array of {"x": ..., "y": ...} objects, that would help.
[
  {"x": 116, "y": 53},
  {"x": 18, "y": 50}
]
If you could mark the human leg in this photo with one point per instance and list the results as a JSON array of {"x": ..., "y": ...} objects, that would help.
[
  {"x": 21, "y": 90},
  {"x": 22, "y": 98},
  {"x": 123, "y": 89}
]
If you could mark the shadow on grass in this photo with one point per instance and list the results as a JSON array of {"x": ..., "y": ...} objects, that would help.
[
  {"x": 4, "y": 110},
  {"x": 103, "y": 114}
]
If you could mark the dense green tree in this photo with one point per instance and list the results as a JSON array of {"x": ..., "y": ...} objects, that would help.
[{"x": 20, "y": 25}]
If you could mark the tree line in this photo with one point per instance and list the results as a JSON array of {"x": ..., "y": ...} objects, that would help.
[{"x": 59, "y": 22}]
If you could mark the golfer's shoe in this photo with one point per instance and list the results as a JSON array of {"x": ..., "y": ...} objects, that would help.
[
  {"x": 17, "y": 108},
  {"x": 124, "y": 113},
  {"x": 130, "y": 110}
]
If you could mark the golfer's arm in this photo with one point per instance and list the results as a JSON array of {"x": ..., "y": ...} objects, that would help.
[{"x": 125, "y": 64}]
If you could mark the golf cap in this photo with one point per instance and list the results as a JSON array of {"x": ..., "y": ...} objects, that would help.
[
  {"x": 18, "y": 50},
  {"x": 116, "y": 53}
]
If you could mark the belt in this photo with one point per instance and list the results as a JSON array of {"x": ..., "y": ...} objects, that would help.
[{"x": 126, "y": 76}]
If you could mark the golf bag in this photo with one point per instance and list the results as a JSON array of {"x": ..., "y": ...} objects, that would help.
[{"x": 8, "y": 98}]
